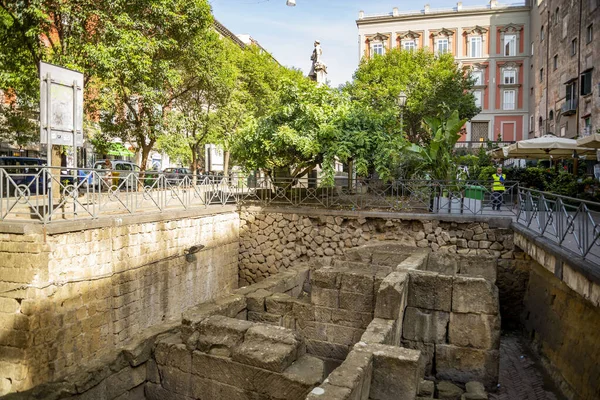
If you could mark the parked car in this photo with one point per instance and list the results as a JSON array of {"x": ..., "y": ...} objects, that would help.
[
  {"x": 175, "y": 175},
  {"x": 23, "y": 171},
  {"x": 124, "y": 174}
]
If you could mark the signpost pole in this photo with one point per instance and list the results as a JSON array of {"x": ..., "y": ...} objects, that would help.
[
  {"x": 49, "y": 143},
  {"x": 76, "y": 171}
]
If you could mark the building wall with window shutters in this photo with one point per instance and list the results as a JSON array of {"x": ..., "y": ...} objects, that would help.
[{"x": 475, "y": 37}]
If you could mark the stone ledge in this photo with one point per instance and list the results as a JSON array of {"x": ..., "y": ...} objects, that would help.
[
  {"x": 494, "y": 222},
  {"x": 105, "y": 221},
  {"x": 586, "y": 268}
]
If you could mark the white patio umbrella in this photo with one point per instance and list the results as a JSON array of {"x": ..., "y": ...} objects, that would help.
[
  {"x": 592, "y": 140},
  {"x": 542, "y": 148}
]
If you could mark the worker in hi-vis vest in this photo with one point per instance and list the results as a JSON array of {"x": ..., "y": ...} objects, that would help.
[{"x": 498, "y": 189}]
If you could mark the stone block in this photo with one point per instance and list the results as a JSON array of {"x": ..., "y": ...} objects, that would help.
[
  {"x": 356, "y": 302},
  {"x": 480, "y": 331},
  {"x": 256, "y": 300},
  {"x": 269, "y": 347},
  {"x": 391, "y": 296},
  {"x": 327, "y": 349},
  {"x": 124, "y": 380},
  {"x": 389, "y": 363},
  {"x": 325, "y": 277},
  {"x": 157, "y": 392},
  {"x": 429, "y": 290},
  {"x": 425, "y": 325},
  {"x": 388, "y": 258},
  {"x": 427, "y": 352},
  {"x": 279, "y": 303},
  {"x": 474, "y": 295},
  {"x": 475, "y": 387},
  {"x": 478, "y": 266},
  {"x": 328, "y": 391},
  {"x": 229, "y": 306},
  {"x": 343, "y": 334},
  {"x": 355, "y": 373},
  {"x": 265, "y": 318},
  {"x": 357, "y": 282},
  {"x": 449, "y": 391},
  {"x": 462, "y": 364},
  {"x": 426, "y": 389},
  {"x": 308, "y": 370},
  {"x": 354, "y": 319},
  {"x": 221, "y": 332},
  {"x": 303, "y": 311},
  {"x": 442, "y": 264},
  {"x": 325, "y": 297},
  {"x": 379, "y": 331}
]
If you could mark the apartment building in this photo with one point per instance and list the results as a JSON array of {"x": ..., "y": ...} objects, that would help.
[
  {"x": 565, "y": 73},
  {"x": 491, "y": 42}
]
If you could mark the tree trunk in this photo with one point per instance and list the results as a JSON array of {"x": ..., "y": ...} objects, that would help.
[
  {"x": 350, "y": 174},
  {"x": 225, "y": 162},
  {"x": 194, "y": 165}
]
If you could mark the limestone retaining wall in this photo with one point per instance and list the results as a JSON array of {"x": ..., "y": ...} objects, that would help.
[{"x": 74, "y": 292}]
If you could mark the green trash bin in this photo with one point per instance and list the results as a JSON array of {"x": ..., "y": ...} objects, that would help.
[
  {"x": 473, "y": 199},
  {"x": 474, "y": 192}
]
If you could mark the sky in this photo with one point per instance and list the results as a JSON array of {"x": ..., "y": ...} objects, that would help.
[{"x": 288, "y": 33}]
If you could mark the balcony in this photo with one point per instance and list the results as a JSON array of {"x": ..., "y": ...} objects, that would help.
[{"x": 569, "y": 107}]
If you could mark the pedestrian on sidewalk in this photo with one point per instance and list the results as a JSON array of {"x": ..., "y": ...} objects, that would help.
[{"x": 498, "y": 189}]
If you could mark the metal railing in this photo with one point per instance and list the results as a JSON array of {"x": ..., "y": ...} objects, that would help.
[
  {"x": 48, "y": 194},
  {"x": 571, "y": 223},
  {"x": 476, "y": 145}
]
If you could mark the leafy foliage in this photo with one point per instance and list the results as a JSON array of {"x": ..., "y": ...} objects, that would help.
[{"x": 435, "y": 86}]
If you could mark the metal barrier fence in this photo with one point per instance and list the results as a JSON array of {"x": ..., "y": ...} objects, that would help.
[
  {"x": 571, "y": 223},
  {"x": 47, "y": 193}
]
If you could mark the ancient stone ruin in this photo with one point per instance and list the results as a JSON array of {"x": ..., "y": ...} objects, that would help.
[{"x": 382, "y": 322}]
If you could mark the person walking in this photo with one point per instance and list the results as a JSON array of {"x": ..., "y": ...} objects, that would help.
[{"x": 498, "y": 189}]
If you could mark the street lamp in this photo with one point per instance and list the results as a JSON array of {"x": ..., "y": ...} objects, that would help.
[{"x": 401, "y": 104}]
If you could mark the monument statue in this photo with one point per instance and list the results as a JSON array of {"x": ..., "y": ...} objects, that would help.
[{"x": 318, "y": 70}]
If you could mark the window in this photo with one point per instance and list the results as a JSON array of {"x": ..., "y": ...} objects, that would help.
[
  {"x": 510, "y": 45},
  {"x": 555, "y": 62},
  {"x": 542, "y": 34},
  {"x": 475, "y": 45},
  {"x": 532, "y": 48},
  {"x": 478, "y": 98},
  {"x": 509, "y": 100},
  {"x": 477, "y": 76},
  {"x": 556, "y": 14},
  {"x": 586, "y": 82},
  {"x": 531, "y": 91},
  {"x": 541, "y": 74},
  {"x": 509, "y": 76},
  {"x": 573, "y": 47},
  {"x": 377, "y": 48},
  {"x": 531, "y": 126},
  {"x": 442, "y": 46},
  {"x": 409, "y": 45},
  {"x": 589, "y": 34},
  {"x": 571, "y": 93},
  {"x": 551, "y": 115}
]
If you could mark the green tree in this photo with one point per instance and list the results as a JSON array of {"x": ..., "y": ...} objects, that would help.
[
  {"x": 438, "y": 161},
  {"x": 432, "y": 83}
]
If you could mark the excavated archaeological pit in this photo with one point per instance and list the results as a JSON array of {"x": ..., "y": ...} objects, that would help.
[
  {"x": 383, "y": 322},
  {"x": 372, "y": 325}
]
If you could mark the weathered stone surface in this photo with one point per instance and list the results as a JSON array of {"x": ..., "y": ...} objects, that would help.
[
  {"x": 357, "y": 282},
  {"x": 327, "y": 349},
  {"x": 328, "y": 391},
  {"x": 442, "y": 264},
  {"x": 427, "y": 352},
  {"x": 449, "y": 391},
  {"x": 256, "y": 300},
  {"x": 462, "y": 364},
  {"x": 221, "y": 332},
  {"x": 474, "y": 295},
  {"x": 425, "y": 325},
  {"x": 279, "y": 303},
  {"x": 380, "y": 331},
  {"x": 430, "y": 291},
  {"x": 478, "y": 266},
  {"x": 157, "y": 392},
  {"x": 391, "y": 296},
  {"x": 265, "y": 318},
  {"x": 325, "y": 297},
  {"x": 475, "y": 387},
  {"x": 390, "y": 362},
  {"x": 229, "y": 306},
  {"x": 481, "y": 331},
  {"x": 356, "y": 302},
  {"x": 426, "y": 389},
  {"x": 308, "y": 370},
  {"x": 325, "y": 277},
  {"x": 355, "y": 373}
]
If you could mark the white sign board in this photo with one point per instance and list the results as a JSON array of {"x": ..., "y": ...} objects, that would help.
[{"x": 61, "y": 105}]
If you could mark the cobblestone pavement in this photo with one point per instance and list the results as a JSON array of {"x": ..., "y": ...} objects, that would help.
[{"x": 521, "y": 375}]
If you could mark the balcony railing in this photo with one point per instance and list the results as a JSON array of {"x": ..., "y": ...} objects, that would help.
[
  {"x": 474, "y": 145},
  {"x": 569, "y": 107}
]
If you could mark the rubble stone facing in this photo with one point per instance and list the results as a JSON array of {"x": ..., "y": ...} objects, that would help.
[{"x": 273, "y": 241}]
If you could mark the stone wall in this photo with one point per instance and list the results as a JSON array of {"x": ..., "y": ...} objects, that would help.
[
  {"x": 271, "y": 240},
  {"x": 565, "y": 329},
  {"x": 74, "y": 292}
]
